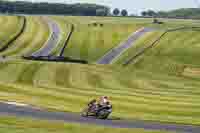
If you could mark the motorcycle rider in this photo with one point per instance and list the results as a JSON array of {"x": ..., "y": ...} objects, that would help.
[
  {"x": 92, "y": 104},
  {"x": 100, "y": 108},
  {"x": 103, "y": 101}
]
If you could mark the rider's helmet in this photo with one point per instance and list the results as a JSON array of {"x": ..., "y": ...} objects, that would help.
[{"x": 104, "y": 99}]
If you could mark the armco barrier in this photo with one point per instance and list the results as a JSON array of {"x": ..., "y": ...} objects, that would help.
[
  {"x": 67, "y": 40},
  {"x": 55, "y": 59}
]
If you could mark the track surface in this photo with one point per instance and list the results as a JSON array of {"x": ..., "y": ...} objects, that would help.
[
  {"x": 28, "y": 111},
  {"x": 53, "y": 39},
  {"x": 115, "y": 52}
]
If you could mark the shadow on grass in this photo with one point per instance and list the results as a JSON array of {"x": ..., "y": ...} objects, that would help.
[{"x": 114, "y": 118}]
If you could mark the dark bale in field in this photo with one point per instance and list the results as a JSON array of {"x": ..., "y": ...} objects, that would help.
[
  {"x": 156, "y": 21},
  {"x": 95, "y": 24},
  {"x": 101, "y": 25}
]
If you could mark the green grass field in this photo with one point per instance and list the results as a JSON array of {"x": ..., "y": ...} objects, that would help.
[
  {"x": 91, "y": 42},
  {"x": 68, "y": 87},
  {"x": 175, "y": 52},
  {"x": 114, "y": 20},
  {"x": 163, "y": 85},
  {"x": 11, "y": 25},
  {"x": 34, "y": 37},
  {"x": 142, "y": 42}
]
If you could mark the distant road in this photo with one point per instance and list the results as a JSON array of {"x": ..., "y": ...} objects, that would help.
[
  {"x": 30, "y": 112},
  {"x": 115, "y": 52},
  {"x": 53, "y": 39}
]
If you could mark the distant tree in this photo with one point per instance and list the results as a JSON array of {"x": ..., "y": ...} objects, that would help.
[
  {"x": 124, "y": 12},
  {"x": 144, "y": 13},
  {"x": 151, "y": 13},
  {"x": 156, "y": 21},
  {"x": 116, "y": 11}
]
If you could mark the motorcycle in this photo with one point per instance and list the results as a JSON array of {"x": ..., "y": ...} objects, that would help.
[{"x": 97, "y": 111}]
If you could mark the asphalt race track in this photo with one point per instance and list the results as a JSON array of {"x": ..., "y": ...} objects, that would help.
[
  {"x": 28, "y": 111},
  {"x": 53, "y": 39},
  {"x": 115, "y": 52}
]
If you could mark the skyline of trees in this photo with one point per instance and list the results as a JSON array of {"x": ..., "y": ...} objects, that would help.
[
  {"x": 84, "y": 9},
  {"x": 185, "y": 13},
  {"x": 53, "y": 8}
]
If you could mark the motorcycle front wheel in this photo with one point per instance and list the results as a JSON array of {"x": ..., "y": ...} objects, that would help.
[{"x": 103, "y": 114}]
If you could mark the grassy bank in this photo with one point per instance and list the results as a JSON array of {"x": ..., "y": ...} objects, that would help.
[
  {"x": 34, "y": 37},
  {"x": 93, "y": 37},
  {"x": 68, "y": 87},
  {"x": 140, "y": 44},
  {"x": 11, "y": 25},
  {"x": 173, "y": 54},
  {"x": 17, "y": 125}
]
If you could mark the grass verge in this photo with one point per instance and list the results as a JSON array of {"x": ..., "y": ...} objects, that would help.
[{"x": 21, "y": 125}]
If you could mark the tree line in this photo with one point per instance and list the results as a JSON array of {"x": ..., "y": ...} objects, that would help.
[
  {"x": 84, "y": 9},
  {"x": 53, "y": 8},
  {"x": 185, "y": 13},
  {"x": 79, "y": 9}
]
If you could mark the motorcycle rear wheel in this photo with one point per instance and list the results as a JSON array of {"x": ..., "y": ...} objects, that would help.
[{"x": 84, "y": 113}]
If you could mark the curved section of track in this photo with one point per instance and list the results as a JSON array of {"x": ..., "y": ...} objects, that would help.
[
  {"x": 27, "y": 111},
  {"x": 115, "y": 52},
  {"x": 53, "y": 39}
]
